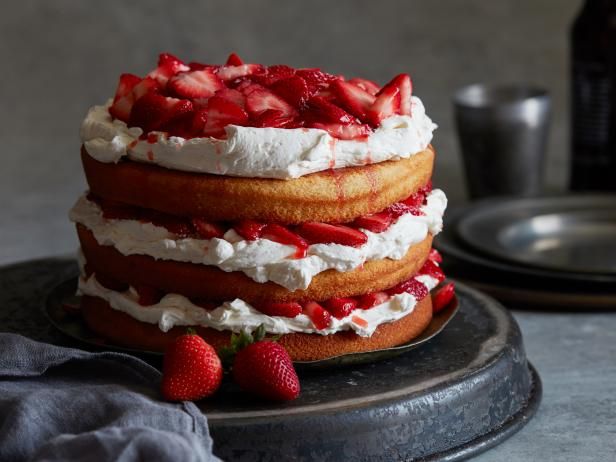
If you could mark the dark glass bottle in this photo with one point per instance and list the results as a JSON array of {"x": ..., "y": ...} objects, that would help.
[{"x": 593, "y": 97}]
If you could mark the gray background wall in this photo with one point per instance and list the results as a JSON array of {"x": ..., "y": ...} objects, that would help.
[{"x": 59, "y": 57}]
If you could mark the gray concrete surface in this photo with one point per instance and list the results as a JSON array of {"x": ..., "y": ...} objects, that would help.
[{"x": 58, "y": 58}]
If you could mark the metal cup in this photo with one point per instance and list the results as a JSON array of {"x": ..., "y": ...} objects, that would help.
[{"x": 503, "y": 134}]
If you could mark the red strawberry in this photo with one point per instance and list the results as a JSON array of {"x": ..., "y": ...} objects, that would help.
[
  {"x": 368, "y": 301},
  {"x": 249, "y": 229},
  {"x": 293, "y": 89},
  {"x": 168, "y": 65},
  {"x": 400, "y": 208},
  {"x": 435, "y": 256},
  {"x": 111, "y": 283},
  {"x": 207, "y": 229},
  {"x": 326, "y": 233},
  {"x": 191, "y": 369},
  {"x": 387, "y": 103},
  {"x": 228, "y": 73},
  {"x": 412, "y": 286},
  {"x": 367, "y": 85},
  {"x": 220, "y": 113},
  {"x": 323, "y": 111},
  {"x": 232, "y": 95},
  {"x": 315, "y": 78},
  {"x": 195, "y": 84},
  {"x": 415, "y": 200},
  {"x": 433, "y": 270},
  {"x": 282, "y": 235},
  {"x": 121, "y": 108},
  {"x": 153, "y": 111},
  {"x": 265, "y": 369},
  {"x": 174, "y": 224},
  {"x": 318, "y": 315},
  {"x": 260, "y": 99},
  {"x": 343, "y": 131},
  {"x": 354, "y": 99},
  {"x": 125, "y": 85},
  {"x": 274, "y": 119},
  {"x": 234, "y": 60},
  {"x": 273, "y": 74},
  {"x": 286, "y": 309},
  {"x": 403, "y": 82},
  {"x": 443, "y": 297},
  {"x": 340, "y": 307},
  {"x": 147, "y": 85},
  {"x": 148, "y": 295},
  {"x": 375, "y": 222}
]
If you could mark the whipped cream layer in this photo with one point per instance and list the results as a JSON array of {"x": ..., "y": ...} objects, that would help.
[
  {"x": 237, "y": 315},
  {"x": 262, "y": 260},
  {"x": 257, "y": 152}
]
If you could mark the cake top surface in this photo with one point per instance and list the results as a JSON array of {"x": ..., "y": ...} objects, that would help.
[{"x": 253, "y": 120}]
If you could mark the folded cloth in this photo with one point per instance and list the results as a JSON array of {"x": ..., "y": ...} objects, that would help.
[{"x": 64, "y": 404}]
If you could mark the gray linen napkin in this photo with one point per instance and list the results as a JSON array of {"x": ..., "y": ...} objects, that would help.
[{"x": 63, "y": 404}]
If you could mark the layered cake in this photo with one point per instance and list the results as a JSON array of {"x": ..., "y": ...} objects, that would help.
[{"x": 225, "y": 197}]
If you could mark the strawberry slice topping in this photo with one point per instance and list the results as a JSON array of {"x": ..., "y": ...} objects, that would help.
[
  {"x": 234, "y": 60},
  {"x": 174, "y": 224},
  {"x": 195, "y": 84},
  {"x": 354, "y": 99},
  {"x": 322, "y": 110},
  {"x": 282, "y": 235},
  {"x": 319, "y": 316},
  {"x": 403, "y": 82},
  {"x": 368, "y": 301},
  {"x": 260, "y": 99},
  {"x": 366, "y": 84},
  {"x": 387, "y": 103},
  {"x": 220, "y": 113},
  {"x": 249, "y": 229},
  {"x": 286, "y": 309},
  {"x": 274, "y": 119},
  {"x": 443, "y": 297},
  {"x": 435, "y": 255},
  {"x": 207, "y": 229},
  {"x": 376, "y": 222},
  {"x": 432, "y": 269},
  {"x": 232, "y": 95},
  {"x": 273, "y": 74},
  {"x": 316, "y": 78},
  {"x": 168, "y": 65},
  {"x": 343, "y": 131},
  {"x": 153, "y": 111},
  {"x": 294, "y": 90},
  {"x": 125, "y": 85},
  {"x": 227, "y": 73},
  {"x": 147, "y": 85},
  {"x": 412, "y": 286},
  {"x": 326, "y": 233},
  {"x": 340, "y": 307}
]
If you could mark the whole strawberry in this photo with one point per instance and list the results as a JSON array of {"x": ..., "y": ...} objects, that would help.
[
  {"x": 265, "y": 369},
  {"x": 191, "y": 369}
]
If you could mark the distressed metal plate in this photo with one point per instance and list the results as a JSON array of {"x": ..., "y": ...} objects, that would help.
[
  {"x": 72, "y": 325},
  {"x": 575, "y": 233}
]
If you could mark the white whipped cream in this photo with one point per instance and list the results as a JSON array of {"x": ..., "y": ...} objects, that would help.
[
  {"x": 258, "y": 152},
  {"x": 262, "y": 260},
  {"x": 237, "y": 315}
]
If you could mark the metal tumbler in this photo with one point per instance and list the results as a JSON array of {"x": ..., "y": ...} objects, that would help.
[{"x": 503, "y": 134}]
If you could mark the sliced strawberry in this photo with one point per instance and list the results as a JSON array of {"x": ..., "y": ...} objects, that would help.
[
  {"x": 340, "y": 307},
  {"x": 232, "y": 95},
  {"x": 274, "y": 119},
  {"x": 293, "y": 89},
  {"x": 228, "y": 73},
  {"x": 249, "y": 229},
  {"x": 315, "y": 78},
  {"x": 234, "y": 60},
  {"x": 273, "y": 74},
  {"x": 345, "y": 132},
  {"x": 282, "y": 235},
  {"x": 415, "y": 200},
  {"x": 148, "y": 295},
  {"x": 403, "y": 82},
  {"x": 368, "y": 301},
  {"x": 220, "y": 113},
  {"x": 375, "y": 222},
  {"x": 323, "y": 111},
  {"x": 121, "y": 108},
  {"x": 443, "y": 297},
  {"x": 286, "y": 309},
  {"x": 354, "y": 99},
  {"x": 412, "y": 286},
  {"x": 179, "y": 226},
  {"x": 435, "y": 255},
  {"x": 147, "y": 85},
  {"x": 259, "y": 99},
  {"x": 168, "y": 65},
  {"x": 318, "y": 315},
  {"x": 432, "y": 269},
  {"x": 387, "y": 103},
  {"x": 207, "y": 229},
  {"x": 195, "y": 84},
  {"x": 198, "y": 122},
  {"x": 125, "y": 85},
  {"x": 399, "y": 208},
  {"x": 366, "y": 84},
  {"x": 326, "y": 233},
  {"x": 153, "y": 111},
  {"x": 111, "y": 283}
]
